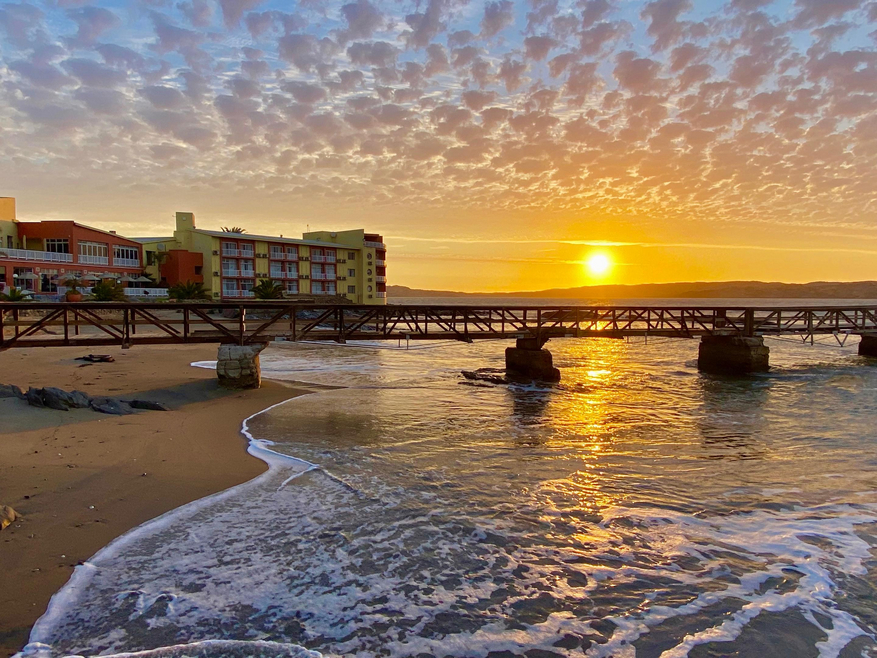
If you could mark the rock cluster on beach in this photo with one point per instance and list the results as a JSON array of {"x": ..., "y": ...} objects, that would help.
[{"x": 61, "y": 400}]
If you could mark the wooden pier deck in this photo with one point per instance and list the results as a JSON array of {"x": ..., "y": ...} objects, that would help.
[{"x": 128, "y": 324}]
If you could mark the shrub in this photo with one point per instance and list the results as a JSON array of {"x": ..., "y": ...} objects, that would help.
[
  {"x": 187, "y": 290},
  {"x": 268, "y": 289},
  {"x": 105, "y": 291},
  {"x": 14, "y": 295}
]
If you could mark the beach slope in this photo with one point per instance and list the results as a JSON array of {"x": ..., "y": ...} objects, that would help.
[{"x": 79, "y": 478}]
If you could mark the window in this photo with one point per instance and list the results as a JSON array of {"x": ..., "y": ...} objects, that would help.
[
  {"x": 93, "y": 253},
  {"x": 93, "y": 249},
  {"x": 229, "y": 248},
  {"x": 292, "y": 270},
  {"x": 199, "y": 269},
  {"x": 351, "y": 290},
  {"x": 369, "y": 272},
  {"x": 247, "y": 268},
  {"x": 229, "y": 267},
  {"x": 292, "y": 253},
  {"x": 369, "y": 288},
  {"x": 58, "y": 245},
  {"x": 292, "y": 287},
  {"x": 246, "y": 250},
  {"x": 351, "y": 255},
  {"x": 276, "y": 270},
  {"x": 247, "y": 284},
  {"x": 276, "y": 252},
  {"x": 351, "y": 272},
  {"x": 330, "y": 271},
  {"x": 127, "y": 255}
]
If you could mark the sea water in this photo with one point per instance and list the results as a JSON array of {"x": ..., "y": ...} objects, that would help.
[{"x": 637, "y": 509}]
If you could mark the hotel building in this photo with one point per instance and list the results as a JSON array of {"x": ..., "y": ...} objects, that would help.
[
  {"x": 349, "y": 264},
  {"x": 40, "y": 256}
]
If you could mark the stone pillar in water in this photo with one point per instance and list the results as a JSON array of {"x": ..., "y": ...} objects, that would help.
[
  {"x": 237, "y": 366},
  {"x": 529, "y": 360},
  {"x": 868, "y": 346},
  {"x": 733, "y": 355}
]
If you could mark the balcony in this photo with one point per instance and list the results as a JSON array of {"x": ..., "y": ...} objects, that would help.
[
  {"x": 28, "y": 254},
  {"x": 151, "y": 293},
  {"x": 322, "y": 259},
  {"x": 322, "y": 277},
  {"x": 281, "y": 255},
  {"x": 126, "y": 262},
  {"x": 374, "y": 245},
  {"x": 237, "y": 293},
  {"x": 380, "y": 294},
  {"x": 227, "y": 272},
  {"x": 93, "y": 260},
  {"x": 238, "y": 253},
  {"x": 380, "y": 279},
  {"x": 380, "y": 263}
]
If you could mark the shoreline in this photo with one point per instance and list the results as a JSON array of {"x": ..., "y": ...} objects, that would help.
[{"x": 81, "y": 480}]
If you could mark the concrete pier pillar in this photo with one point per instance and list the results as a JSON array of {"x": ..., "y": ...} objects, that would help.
[
  {"x": 529, "y": 360},
  {"x": 868, "y": 345},
  {"x": 237, "y": 366},
  {"x": 733, "y": 355}
]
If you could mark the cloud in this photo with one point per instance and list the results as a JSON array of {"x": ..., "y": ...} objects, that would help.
[
  {"x": 498, "y": 15},
  {"x": 723, "y": 112},
  {"x": 91, "y": 22}
]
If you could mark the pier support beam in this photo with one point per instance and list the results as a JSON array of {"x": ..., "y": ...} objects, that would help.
[
  {"x": 237, "y": 366},
  {"x": 733, "y": 355},
  {"x": 530, "y": 360},
  {"x": 868, "y": 345}
]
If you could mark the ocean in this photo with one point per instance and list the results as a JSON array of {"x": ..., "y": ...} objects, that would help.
[{"x": 637, "y": 509}]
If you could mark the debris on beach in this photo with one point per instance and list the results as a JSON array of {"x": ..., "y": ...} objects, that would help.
[
  {"x": 97, "y": 358},
  {"x": 490, "y": 375},
  {"x": 7, "y": 516}
]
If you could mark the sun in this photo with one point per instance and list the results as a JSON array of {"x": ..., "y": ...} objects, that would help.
[{"x": 598, "y": 264}]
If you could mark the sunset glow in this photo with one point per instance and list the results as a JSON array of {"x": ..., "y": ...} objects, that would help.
[
  {"x": 598, "y": 265},
  {"x": 712, "y": 140}
]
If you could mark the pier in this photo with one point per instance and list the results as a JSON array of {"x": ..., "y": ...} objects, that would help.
[{"x": 732, "y": 338}]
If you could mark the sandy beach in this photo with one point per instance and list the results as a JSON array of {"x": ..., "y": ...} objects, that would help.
[{"x": 80, "y": 478}]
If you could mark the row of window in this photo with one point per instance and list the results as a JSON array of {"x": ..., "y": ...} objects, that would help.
[
  {"x": 244, "y": 287},
  {"x": 92, "y": 249},
  {"x": 281, "y": 252}
]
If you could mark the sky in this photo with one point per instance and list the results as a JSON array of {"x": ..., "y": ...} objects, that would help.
[{"x": 495, "y": 145}]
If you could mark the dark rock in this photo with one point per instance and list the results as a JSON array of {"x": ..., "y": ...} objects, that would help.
[
  {"x": 111, "y": 406},
  {"x": 146, "y": 404},
  {"x": 34, "y": 397},
  {"x": 11, "y": 391},
  {"x": 56, "y": 398},
  {"x": 485, "y": 375}
]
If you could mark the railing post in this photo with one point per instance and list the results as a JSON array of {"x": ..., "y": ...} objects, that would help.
[
  {"x": 185, "y": 324},
  {"x": 748, "y": 322},
  {"x": 242, "y": 324}
]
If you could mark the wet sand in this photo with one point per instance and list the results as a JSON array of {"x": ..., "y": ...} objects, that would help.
[{"x": 80, "y": 478}]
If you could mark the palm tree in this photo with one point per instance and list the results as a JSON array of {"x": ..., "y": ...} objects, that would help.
[
  {"x": 188, "y": 290},
  {"x": 268, "y": 289},
  {"x": 233, "y": 229},
  {"x": 14, "y": 295}
]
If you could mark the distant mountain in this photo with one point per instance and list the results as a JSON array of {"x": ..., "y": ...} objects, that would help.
[{"x": 721, "y": 290}]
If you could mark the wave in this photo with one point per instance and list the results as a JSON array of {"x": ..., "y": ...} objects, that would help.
[{"x": 205, "y": 649}]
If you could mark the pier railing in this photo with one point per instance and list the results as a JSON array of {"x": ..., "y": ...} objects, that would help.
[{"x": 129, "y": 323}]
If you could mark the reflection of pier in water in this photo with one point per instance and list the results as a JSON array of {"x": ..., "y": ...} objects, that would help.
[{"x": 731, "y": 337}]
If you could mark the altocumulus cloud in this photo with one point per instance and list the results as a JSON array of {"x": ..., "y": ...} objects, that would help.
[{"x": 740, "y": 110}]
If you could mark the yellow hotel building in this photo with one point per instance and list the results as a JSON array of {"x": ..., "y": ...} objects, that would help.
[{"x": 349, "y": 264}]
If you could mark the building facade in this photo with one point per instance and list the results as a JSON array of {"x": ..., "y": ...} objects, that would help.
[
  {"x": 40, "y": 256},
  {"x": 349, "y": 264}
]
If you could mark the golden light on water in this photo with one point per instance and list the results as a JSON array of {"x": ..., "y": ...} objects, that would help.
[{"x": 599, "y": 264}]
